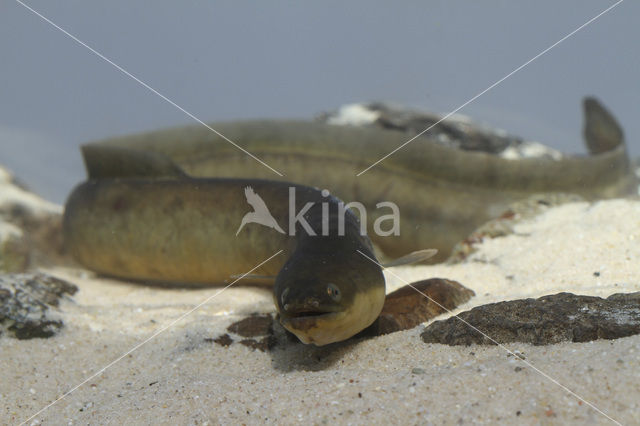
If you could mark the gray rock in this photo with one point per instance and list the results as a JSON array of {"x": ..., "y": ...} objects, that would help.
[
  {"x": 547, "y": 320},
  {"x": 25, "y": 302}
]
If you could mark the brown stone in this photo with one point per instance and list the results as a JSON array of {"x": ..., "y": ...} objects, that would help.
[
  {"x": 253, "y": 326},
  {"x": 547, "y": 320},
  {"x": 419, "y": 302}
]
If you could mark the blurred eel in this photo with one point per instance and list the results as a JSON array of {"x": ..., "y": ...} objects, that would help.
[{"x": 442, "y": 193}]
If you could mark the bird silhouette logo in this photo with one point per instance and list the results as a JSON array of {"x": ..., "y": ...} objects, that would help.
[{"x": 260, "y": 213}]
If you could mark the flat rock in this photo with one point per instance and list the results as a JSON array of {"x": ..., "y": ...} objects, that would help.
[
  {"x": 413, "y": 304},
  {"x": 543, "y": 321},
  {"x": 25, "y": 302},
  {"x": 255, "y": 331}
]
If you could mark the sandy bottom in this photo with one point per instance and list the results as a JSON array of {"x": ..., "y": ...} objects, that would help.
[{"x": 123, "y": 365}]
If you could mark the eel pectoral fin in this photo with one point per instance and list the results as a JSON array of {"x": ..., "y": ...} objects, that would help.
[
  {"x": 104, "y": 162},
  {"x": 413, "y": 257}
]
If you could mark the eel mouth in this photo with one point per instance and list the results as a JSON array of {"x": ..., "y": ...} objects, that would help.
[
  {"x": 303, "y": 314},
  {"x": 305, "y": 320}
]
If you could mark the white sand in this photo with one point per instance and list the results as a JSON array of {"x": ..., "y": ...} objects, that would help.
[{"x": 177, "y": 377}]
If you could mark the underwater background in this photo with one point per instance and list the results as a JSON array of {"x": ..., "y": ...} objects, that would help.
[{"x": 226, "y": 61}]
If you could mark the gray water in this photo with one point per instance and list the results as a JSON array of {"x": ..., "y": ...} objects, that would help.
[{"x": 279, "y": 59}]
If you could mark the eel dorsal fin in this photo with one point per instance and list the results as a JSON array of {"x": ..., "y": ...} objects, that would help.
[
  {"x": 602, "y": 132},
  {"x": 110, "y": 162},
  {"x": 413, "y": 257}
]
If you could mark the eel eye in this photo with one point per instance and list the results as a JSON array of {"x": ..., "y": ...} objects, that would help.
[
  {"x": 284, "y": 295},
  {"x": 334, "y": 292}
]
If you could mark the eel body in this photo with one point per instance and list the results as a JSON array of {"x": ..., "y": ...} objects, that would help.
[
  {"x": 155, "y": 224},
  {"x": 442, "y": 193}
]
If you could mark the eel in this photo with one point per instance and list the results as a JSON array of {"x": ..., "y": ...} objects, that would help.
[
  {"x": 442, "y": 193},
  {"x": 140, "y": 217},
  {"x": 151, "y": 209}
]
